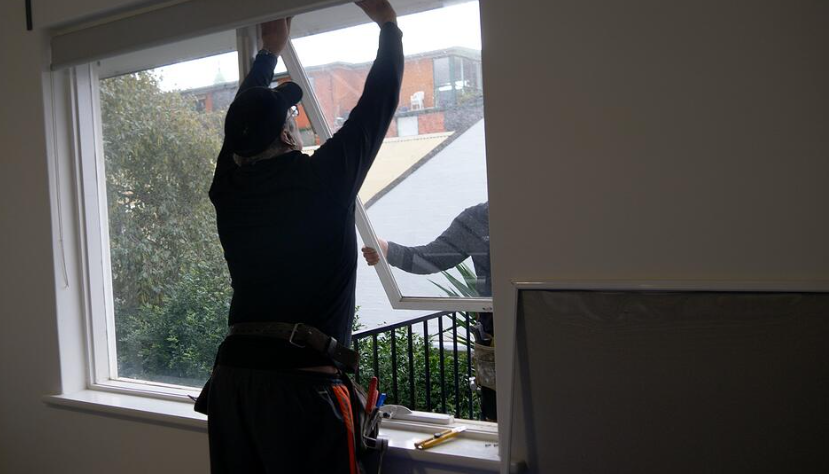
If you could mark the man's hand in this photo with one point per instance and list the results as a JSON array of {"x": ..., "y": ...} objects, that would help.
[
  {"x": 380, "y": 11},
  {"x": 275, "y": 34},
  {"x": 371, "y": 255}
]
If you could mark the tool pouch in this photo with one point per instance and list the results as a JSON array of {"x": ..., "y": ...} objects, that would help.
[{"x": 369, "y": 447}]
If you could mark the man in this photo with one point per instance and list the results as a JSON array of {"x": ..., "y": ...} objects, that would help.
[
  {"x": 286, "y": 223},
  {"x": 467, "y": 236}
]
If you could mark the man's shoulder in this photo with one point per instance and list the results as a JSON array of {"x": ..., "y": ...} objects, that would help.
[{"x": 477, "y": 212}]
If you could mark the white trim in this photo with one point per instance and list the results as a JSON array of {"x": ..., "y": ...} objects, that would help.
[
  {"x": 103, "y": 203},
  {"x": 92, "y": 211},
  {"x": 84, "y": 220},
  {"x": 148, "y": 388},
  {"x": 444, "y": 304},
  {"x": 73, "y": 333},
  {"x": 382, "y": 267}
]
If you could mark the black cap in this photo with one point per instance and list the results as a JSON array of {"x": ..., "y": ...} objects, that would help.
[{"x": 256, "y": 117}]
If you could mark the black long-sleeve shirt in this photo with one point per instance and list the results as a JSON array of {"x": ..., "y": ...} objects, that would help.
[
  {"x": 468, "y": 235},
  {"x": 287, "y": 224}
]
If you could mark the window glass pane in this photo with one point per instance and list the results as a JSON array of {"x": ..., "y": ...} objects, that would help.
[
  {"x": 432, "y": 166},
  {"x": 162, "y": 131}
]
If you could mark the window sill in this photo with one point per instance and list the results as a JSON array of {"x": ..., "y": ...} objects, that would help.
[
  {"x": 478, "y": 449},
  {"x": 176, "y": 413}
]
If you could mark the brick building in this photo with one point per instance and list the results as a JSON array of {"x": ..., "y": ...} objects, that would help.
[{"x": 441, "y": 91}]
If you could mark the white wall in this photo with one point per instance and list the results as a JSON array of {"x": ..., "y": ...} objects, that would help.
[
  {"x": 33, "y": 437},
  {"x": 661, "y": 140},
  {"x": 57, "y": 14}
]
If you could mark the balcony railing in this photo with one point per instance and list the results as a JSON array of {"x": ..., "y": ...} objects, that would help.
[{"x": 433, "y": 370}]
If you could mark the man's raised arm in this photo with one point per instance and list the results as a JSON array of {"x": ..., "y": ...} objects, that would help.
[
  {"x": 275, "y": 36},
  {"x": 345, "y": 159}
]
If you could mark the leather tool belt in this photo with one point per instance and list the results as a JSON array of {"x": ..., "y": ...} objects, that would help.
[
  {"x": 301, "y": 335},
  {"x": 369, "y": 447}
]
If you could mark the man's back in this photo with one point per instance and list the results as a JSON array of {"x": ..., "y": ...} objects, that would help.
[
  {"x": 290, "y": 245},
  {"x": 287, "y": 223}
]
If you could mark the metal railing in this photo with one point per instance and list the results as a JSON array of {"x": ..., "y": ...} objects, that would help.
[{"x": 425, "y": 352}]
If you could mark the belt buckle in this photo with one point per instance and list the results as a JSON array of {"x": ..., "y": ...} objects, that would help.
[{"x": 291, "y": 338}]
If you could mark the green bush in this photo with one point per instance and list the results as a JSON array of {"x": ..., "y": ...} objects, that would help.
[{"x": 176, "y": 341}]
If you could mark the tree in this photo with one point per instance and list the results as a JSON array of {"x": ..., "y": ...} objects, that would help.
[{"x": 170, "y": 282}]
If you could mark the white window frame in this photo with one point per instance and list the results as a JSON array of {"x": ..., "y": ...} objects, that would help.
[{"x": 94, "y": 230}]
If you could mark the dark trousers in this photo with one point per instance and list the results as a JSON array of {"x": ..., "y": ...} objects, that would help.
[
  {"x": 489, "y": 407},
  {"x": 263, "y": 421}
]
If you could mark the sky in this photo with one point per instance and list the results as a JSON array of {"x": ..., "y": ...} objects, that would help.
[{"x": 457, "y": 25}]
